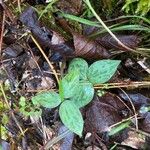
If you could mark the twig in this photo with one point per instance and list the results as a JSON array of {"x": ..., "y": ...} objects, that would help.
[
  {"x": 136, "y": 120},
  {"x": 46, "y": 58},
  {"x": 2, "y": 28},
  {"x": 122, "y": 85},
  {"x": 124, "y": 104}
]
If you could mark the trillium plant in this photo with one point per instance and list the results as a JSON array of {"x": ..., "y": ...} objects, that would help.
[{"x": 76, "y": 90}]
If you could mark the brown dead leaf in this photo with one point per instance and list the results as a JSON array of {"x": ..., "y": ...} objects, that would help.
[
  {"x": 81, "y": 47},
  {"x": 109, "y": 42},
  {"x": 145, "y": 126},
  {"x": 100, "y": 116},
  {"x": 113, "y": 100},
  {"x": 88, "y": 49},
  {"x": 137, "y": 99},
  {"x": 13, "y": 50},
  {"x": 30, "y": 19},
  {"x": 134, "y": 140}
]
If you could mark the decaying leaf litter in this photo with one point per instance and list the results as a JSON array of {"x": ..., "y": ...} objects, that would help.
[{"x": 70, "y": 82}]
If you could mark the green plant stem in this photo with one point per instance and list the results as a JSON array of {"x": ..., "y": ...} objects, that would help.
[
  {"x": 47, "y": 8},
  {"x": 108, "y": 30}
]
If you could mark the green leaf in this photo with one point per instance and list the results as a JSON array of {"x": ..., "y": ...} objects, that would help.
[
  {"x": 81, "y": 20},
  {"x": 146, "y": 20},
  {"x": 47, "y": 99},
  {"x": 71, "y": 117},
  {"x": 81, "y": 65},
  {"x": 101, "y": 71},
  {"x": 85, "y": 94},
  {"x": 22, "y": 101},
  {"x": 69, "y": 84}
]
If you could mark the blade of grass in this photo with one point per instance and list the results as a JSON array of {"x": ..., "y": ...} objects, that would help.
[
  {"x": 81, "y": 20},
  {"x": 134, "y": 16},
  {"x": 130, "y": 16},
  {"x": 131, "y": 27},
  {"x": 119, "y": 128},
  {"x": 47, "y": 8},
  {"x": 104, "y": 25},
  {"x": 112, "y": 28},
  {"x": 122, "y": 28}
]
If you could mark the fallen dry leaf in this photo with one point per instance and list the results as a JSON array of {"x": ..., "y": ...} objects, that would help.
[
  {"x": 113, "y": 100},
  {"x": 145, "y": 125},
  {"x": 109, "y": 42},
  {"x": 88, "y": 49},
  {"x": 134, "y": 140},
  {"x": 30, "y": 19},
  {"x": 100, "y": 116},
  {"x": 137, "y": 99}
]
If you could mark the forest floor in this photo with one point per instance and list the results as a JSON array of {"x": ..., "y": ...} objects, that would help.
[{"x": 74, "y": 75}]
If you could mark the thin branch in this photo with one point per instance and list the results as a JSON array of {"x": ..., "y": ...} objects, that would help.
[
  {"x": 2, "y": 28},
  {"x": 133, "y": 107},
  {"x": 46, "y": 58},
  {"x": 122, "y": 85}
]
